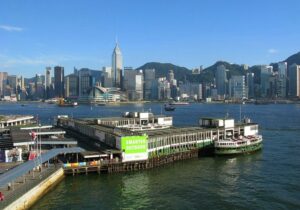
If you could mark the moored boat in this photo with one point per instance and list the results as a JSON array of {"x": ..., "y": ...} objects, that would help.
[
  {"x": 169, "y": 107},
  {"x": 179, "y": 103},
  {"x": 233, "y": 138},
  {"x": 63, "y": 103},
  {"x": 244, "y": 144}
]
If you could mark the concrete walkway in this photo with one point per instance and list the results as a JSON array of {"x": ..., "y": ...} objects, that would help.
[{"x": 25, "y": 183}]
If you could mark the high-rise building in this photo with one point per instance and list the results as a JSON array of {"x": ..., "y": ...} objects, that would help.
[
  {"x": 139, "y": 86},
  {"x": 86, "y": 82},
  {"x": 250, "y": 85},
  {"x": 3, "y": 82},
  {"x": 191, "y": 90},
  {"x": 59, "y": 83},
  {"x": 237, "y": 87},
  {"x": 39, "y": 87},
  {"x": 117, "y": 66},
  {"x": 133, "y": 84},
  {"x": 48, "y": 82},
  {"x": 266, "y": 73},
  {"x": 149, "y": 84},
  {"x": 163, "y": 89},
  {"x": 171, "y": 76},
  {"x": 71, "y": 86},
  {"x": 294, "y": 81},
  {"x": 107, "y": 77},
  {"x": 281, "y": 81},
  {"x": 48, "y": 77},
  {"x": 12, "y": 81},
  {"x": 21, "y": 83},
  {"x": 21, "y": 91},
  {"x": 221, "y": 80},
  {"x": 129, "y": 74}
]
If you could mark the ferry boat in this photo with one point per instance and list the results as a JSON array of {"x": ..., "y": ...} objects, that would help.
[
  {"x": 234, "y": 138},
  {"x": 63, "y": 103},
  {"x": 179, "y": 103},
  {"x": 169, "y": 107},
  {"x": 244, "y": 144}
]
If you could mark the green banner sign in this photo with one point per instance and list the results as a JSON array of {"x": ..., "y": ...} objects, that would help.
[{"x": 134, "y": 144}]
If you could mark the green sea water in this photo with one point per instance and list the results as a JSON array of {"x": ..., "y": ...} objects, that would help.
[{"x": 268, "y": 179}]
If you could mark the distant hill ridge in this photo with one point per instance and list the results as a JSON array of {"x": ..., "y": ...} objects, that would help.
[
  {"x": 162, "y": 69},
  {"x": 183, "y": 73}
]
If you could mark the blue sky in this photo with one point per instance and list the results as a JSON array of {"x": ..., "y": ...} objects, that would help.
[{"x": 35, "y": 34}]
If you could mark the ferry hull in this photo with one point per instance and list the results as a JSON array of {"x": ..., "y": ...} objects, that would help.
[{"x": 240, "y": 150}]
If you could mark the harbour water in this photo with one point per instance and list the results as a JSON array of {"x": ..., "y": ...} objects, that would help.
[{"x": 268, "y": 179}]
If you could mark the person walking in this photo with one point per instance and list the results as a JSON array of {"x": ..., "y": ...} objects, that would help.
[{"x": 1, "y": 196}]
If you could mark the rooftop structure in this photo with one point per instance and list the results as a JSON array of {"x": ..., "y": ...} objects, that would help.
[{"x": 15, "y": 120}]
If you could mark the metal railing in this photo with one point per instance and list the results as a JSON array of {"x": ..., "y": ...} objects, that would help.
[{"x": 22, "y": 187}]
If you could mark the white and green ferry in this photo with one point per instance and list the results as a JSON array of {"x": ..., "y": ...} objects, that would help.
[
  {"x": 234, "y": 138},
  {"x": 241, "y": 145}
]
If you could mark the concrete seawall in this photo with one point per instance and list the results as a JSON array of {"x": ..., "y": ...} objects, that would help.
[{"x": 33, "y": 195}]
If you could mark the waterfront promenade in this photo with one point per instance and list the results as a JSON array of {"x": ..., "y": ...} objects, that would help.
[
  {"x": 17, "y": 181},
  {"x": 25, "y": 183}
]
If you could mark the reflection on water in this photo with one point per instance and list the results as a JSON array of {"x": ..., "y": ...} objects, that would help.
[{"x": 135, "y": 186}]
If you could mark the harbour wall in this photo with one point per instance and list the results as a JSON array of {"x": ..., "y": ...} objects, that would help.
[
  {"x": 154, "y": 162},
  {"x": 33, "y": 195}
]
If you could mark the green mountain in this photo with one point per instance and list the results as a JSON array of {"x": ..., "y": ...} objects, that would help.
[
  {"x": 209, "y": 73},
  {"x": 162, "y": 70},
  {"x": 293, "y": 59}
]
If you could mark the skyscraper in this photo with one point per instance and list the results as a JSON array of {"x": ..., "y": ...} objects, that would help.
[
  {"x": 237, "y": 87},
  {"x": 117, "y": 66},
  {"x": 133, "y": 84},
  {"x": 265, "y": 75},
  {"x": 149, "y": 79},
  {"x": 250, "y": 84},
  {"x": 281, "y": 79},
  {"x": 86, "y": 82},
  {"x": 48, "y": 77},
  {"x": 47, "y": 82},
  {"x": 59, "y": 82},
  {"x": 38, "y": 86},
  {"x": 294, "y": 78},
  {"x": 221, "y": 80},
  {"x": 107, "y": 77},
  {"x": 71, "y": 86},
  {"x": 12, "y": 81},
  {"x": 171, "y": 76},
  {"x": 3, "y": 82}
]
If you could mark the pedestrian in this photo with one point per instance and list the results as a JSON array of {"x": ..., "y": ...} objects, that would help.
[
  {"x": 9, "y": 186},
  {"x": 1, "y": 196}
]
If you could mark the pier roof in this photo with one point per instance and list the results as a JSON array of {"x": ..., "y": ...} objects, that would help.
[
  {"x": 22, "y": 137},
  {"x": 172, "y": 131},
  {"x": 13, "y": 118}
]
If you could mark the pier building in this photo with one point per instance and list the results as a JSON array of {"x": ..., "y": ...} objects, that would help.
[
  {"x": 141, "y": 136},
  {"x": 15, "y": 120}
]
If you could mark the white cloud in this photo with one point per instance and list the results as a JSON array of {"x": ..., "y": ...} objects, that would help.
[
  {"x": 10, "y": 28},
  {"x": 273, "y": 51}
]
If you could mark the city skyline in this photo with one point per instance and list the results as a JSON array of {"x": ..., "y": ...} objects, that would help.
[{"x": 33, "y": 37}]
